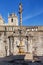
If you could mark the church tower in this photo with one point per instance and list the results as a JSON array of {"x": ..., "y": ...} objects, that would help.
[{"x": 12, "y": 19}]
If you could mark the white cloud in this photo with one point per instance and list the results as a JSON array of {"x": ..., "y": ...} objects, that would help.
[{"x": 29, "y": 17}]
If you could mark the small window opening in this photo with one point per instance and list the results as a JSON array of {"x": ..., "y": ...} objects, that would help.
[{"x": 11, "y": 20}]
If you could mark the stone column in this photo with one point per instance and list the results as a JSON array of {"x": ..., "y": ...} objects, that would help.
[
  {"x": 12, "y": 44},
  {"x": 27, "y": 43},
  {"x": 29, "y": 55},
  {"x": 30, "y": 45},
  {"x": 9, "y": 46}
]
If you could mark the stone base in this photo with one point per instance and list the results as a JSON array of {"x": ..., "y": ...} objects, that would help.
[
  {"x": 2, "y": 54},
  {"x": 29, "y": 56}
]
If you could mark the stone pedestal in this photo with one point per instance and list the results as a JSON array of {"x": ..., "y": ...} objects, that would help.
[{"x": 28, "y": 56}]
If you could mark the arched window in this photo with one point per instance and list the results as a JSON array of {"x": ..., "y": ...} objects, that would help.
[{"x": 12, "y": 20}]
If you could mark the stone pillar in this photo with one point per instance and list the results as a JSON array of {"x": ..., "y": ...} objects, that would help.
[
  {"x": 16, "y": 44},
  {"x": 29, "y": 55},
  {"x": 30, "y": 44},
  {"x": 12, "y": 44},
  {"x": 9, "y": 46}
]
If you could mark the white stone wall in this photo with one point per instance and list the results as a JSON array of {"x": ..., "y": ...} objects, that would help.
[
  {"x": 38, "y": 44},
  {"x": 33, "y": 42},
  {"x": 2, "y": 46}
]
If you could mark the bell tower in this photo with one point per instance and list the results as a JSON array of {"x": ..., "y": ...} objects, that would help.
[{"x": 12, "y": 19}]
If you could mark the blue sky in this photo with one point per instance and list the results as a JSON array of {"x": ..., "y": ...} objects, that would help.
[{"x": 32, "y": 10}]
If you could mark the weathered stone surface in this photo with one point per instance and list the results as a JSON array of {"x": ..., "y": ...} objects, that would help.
[{"x": 11, "y": 36}]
